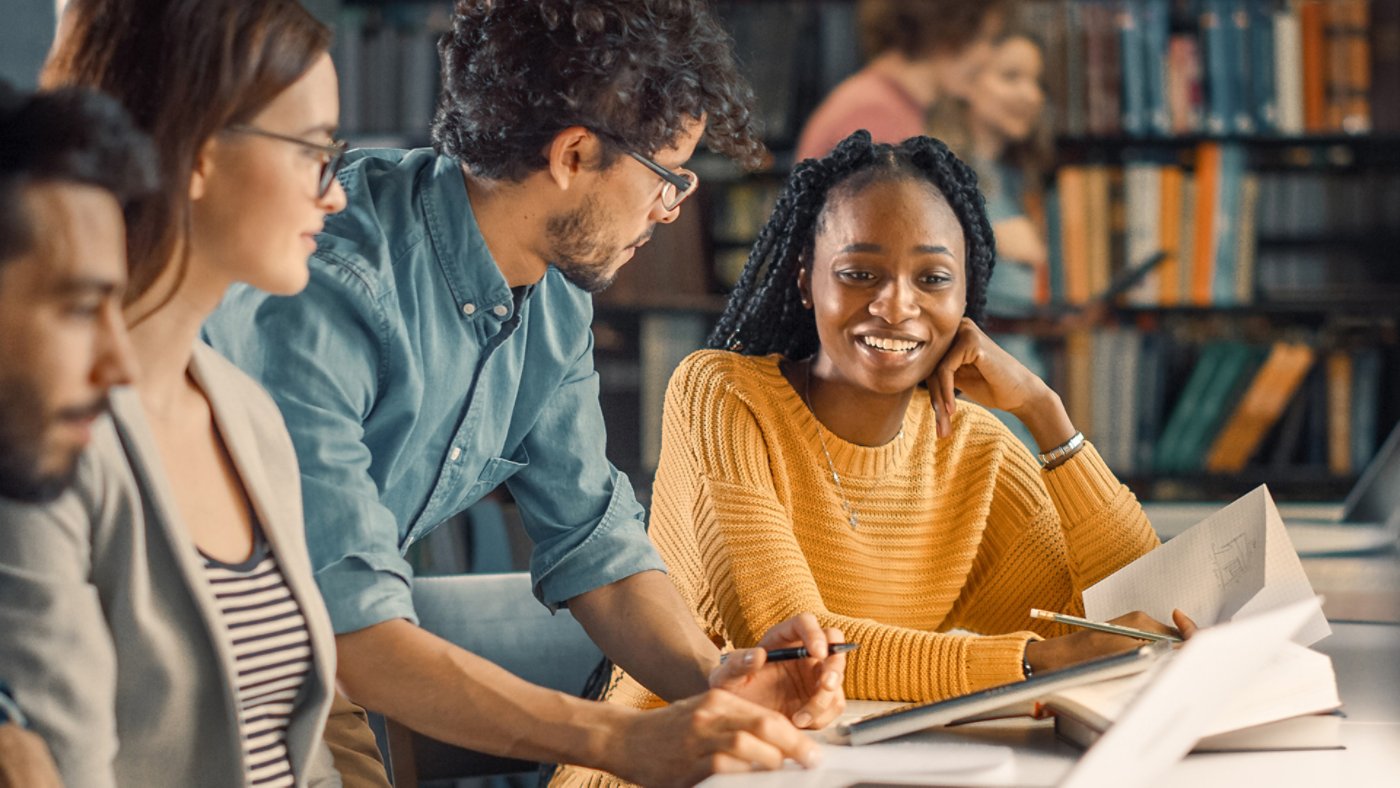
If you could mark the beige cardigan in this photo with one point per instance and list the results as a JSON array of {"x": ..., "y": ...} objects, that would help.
[{"x": 108, "y": 630}]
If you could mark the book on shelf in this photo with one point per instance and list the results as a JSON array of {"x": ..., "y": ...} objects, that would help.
[
  {"x": 1312, "y": 22},
  {"x": 1339, "y": 401},
  {"x": 1170, "y": 446},
  {"x": 1112, "y": 219},
  {"x": 1219, "y": 67},
  {"x": 1349, "y": 66},
  {"x": 1158, "y": 404},
  {"x": 1385, "y": 66},
  {"x": 1237, "y": 366},
  {"x": 1365, "y": 404},
  {"x": 1288, "y": 77},
  {"x": 1261, "y": 406}
]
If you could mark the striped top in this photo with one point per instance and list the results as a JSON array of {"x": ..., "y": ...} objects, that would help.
[{"x": 271, "y": 648}]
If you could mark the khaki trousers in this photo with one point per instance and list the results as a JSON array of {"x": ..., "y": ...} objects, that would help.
[{"x": 352, "y": 745}]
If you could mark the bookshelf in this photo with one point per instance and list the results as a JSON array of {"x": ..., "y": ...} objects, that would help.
[
  {"x": 1301, "y": 152},
  {"x": 1251, "y": 145}
]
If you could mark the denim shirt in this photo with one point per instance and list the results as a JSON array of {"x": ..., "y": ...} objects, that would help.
[{"x": 414, "y": 381}]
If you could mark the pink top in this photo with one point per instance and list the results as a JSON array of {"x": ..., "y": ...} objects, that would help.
[{"x": 865, "y": 100}]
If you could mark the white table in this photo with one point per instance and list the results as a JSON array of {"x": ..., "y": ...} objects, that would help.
[{"x": 1367, "y": 662}]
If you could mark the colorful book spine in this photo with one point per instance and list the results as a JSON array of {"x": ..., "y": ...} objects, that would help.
[
  {"x": 1262, "y": 64},
  {"x": 1153, "y": 24},
  {"x": 1133, "y": 56},
  {"x": 1216, "y": 36},
  {"x": 1288, "y": 72},
  {"x": 1261, "y": 406},
  {"x": 1312, "y": 21},
  {"x": 1202, "y": 271}
]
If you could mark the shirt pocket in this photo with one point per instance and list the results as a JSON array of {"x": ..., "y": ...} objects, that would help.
[{"x": 498, "y": 469}]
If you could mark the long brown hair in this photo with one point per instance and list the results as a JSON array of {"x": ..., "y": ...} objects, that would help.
[
  {"x": 184, "y": 70},
  {"x": 1034, "y": 156}
]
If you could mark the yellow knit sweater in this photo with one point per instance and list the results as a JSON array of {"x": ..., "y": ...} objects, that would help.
[{"x": 961, "y": 533}]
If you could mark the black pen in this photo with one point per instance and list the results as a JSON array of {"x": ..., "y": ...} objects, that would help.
[{"x": 782, "y": 654}]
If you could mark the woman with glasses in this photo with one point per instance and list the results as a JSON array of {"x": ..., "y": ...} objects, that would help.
[{"x": 166, "y": 602}]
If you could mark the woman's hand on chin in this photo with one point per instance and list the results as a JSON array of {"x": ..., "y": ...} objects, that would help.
[{"x": 985, "y": 374}]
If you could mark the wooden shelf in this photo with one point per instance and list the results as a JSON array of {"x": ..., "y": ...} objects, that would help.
[{"x": 1290, "y": 483}]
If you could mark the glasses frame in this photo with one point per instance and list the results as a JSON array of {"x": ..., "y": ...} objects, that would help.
[
  {"x": 334, "y": 152},
  {"x": 677, "y": 187}
]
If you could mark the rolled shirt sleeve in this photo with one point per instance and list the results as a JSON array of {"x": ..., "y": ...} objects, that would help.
[{"x": 577, "y": 547}]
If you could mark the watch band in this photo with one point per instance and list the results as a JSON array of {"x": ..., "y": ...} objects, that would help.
[
  {"x": 9, "y": 709},
  {"x": 1060, "y": 453}
]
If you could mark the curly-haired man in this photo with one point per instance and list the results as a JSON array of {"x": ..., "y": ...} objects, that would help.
[{"x": 443, "y": 348}]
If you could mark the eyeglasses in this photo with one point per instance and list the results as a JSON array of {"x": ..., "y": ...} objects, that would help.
[
  {"x": 677, "y": 185},
  {"x": 334, "y": 154}
]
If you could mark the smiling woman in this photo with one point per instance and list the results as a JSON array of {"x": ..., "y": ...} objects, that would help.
[{"x": 816, "y": 457}]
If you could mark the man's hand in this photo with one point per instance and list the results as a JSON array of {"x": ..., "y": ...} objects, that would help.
[
  {"x": 808, "y": 690},
  {"x": 1087, "y": 644},
  {"x": 25, "y": 761},
  {"x": 712, "y": 733}
]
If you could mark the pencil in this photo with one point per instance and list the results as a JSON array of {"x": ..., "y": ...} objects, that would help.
[{"x": 1076, "y": 621}]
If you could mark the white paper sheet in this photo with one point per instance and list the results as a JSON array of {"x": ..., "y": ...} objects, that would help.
[
  {"x": 915, "y": 758},
  {"x": 911, "y": 762},
  {"x": 1237, "y": 562}
]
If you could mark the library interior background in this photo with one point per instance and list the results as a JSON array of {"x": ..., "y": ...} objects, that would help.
[{"x": 1219, "y": 208}]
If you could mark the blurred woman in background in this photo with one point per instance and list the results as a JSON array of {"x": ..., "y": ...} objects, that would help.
[
  {"x": 919, "y": 53},
  {"x": 999, "y": 127}
]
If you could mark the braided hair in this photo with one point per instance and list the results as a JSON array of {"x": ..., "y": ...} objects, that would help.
[{"x": 765, "y": 313}]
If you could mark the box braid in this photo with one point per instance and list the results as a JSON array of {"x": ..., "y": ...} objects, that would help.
[{"x": 765, "y": 313}]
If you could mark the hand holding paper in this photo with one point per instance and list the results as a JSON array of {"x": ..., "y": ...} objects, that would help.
[{"x": 1237, "y": 562}]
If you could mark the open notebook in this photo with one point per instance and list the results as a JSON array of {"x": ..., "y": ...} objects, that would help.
[
  {"x": 1188, "y": 696},
  {"x": 1288, "y": 705}
]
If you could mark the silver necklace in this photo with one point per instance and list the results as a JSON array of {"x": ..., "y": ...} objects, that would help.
[{"x": 831, "y": 466}]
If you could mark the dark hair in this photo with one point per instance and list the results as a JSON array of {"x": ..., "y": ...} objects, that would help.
[
  {"x": 517, "y": 72},
  {"x": 916, "y": 29},
  {"x": 765, "y": 313},
  {"x": 184, "y": 69},
  {"x": 76, "y": 136}
]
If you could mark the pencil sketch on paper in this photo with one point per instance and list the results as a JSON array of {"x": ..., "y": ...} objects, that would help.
[{"x": 1231, "y": 559}]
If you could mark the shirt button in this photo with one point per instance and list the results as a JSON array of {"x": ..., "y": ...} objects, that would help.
[
  {"x": 454, "y": 454},
  {"x": 469, "y": 309},
  {"x": 500, "y": 310}
]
